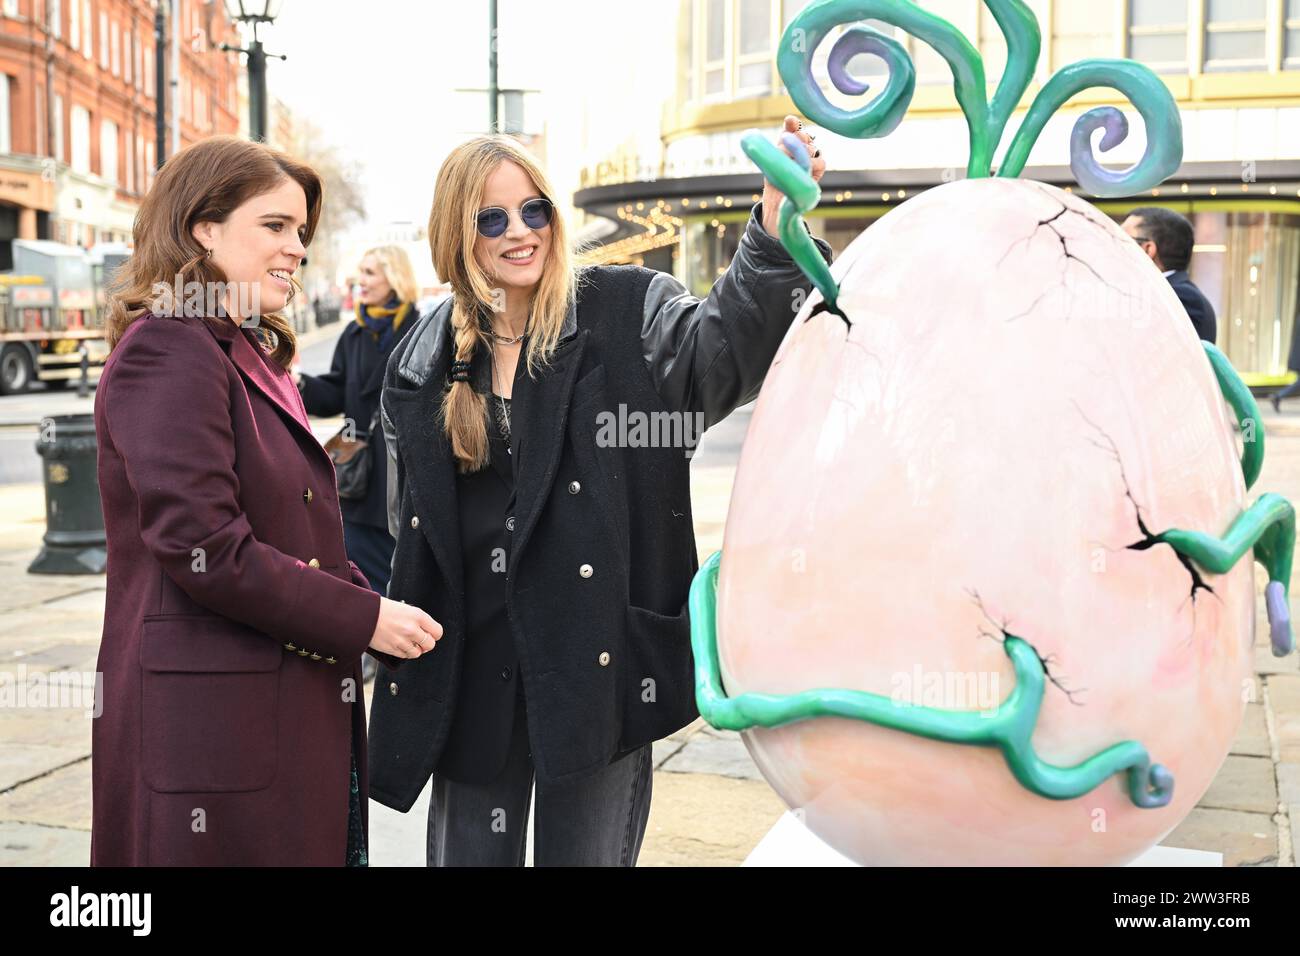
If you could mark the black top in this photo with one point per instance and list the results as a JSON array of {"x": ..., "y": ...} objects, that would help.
[{"x": 479, "y": 738}]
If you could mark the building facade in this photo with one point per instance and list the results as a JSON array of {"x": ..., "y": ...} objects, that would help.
[
  {"x": 77, "y": 100},
  {"x": 1233, "y": 67}
]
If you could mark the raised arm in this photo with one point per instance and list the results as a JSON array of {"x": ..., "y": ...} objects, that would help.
[{"x": 711, "y": 355}]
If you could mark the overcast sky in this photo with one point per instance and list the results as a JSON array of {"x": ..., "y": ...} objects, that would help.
[{"x": 380, "y": 78}]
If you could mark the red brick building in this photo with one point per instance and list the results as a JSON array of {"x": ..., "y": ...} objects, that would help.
[{"x": 74, "y": 167}]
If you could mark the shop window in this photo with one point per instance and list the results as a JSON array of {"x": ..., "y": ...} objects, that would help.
[{"x": 1248, "y": 266}]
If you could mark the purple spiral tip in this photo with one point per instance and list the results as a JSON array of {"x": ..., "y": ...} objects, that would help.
[
  {"x": 853, "y": 42},
  {"x": 1279, "y": 619},
  {"x": 798, "y": 150}
]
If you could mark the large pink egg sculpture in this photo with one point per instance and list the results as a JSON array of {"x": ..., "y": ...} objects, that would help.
[
  {"x": 980, "y": 449},
  {"x": 986, "y": 591}
]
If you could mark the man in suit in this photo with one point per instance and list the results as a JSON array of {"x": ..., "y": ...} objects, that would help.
[{"x": 1167, "y": 238}]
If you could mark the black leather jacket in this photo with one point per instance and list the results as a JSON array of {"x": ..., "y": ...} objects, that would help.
[{"x": 602, "y": 548}]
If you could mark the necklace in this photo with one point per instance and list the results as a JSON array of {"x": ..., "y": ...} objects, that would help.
[
  {"x": 504, "y": 340},
  {"x": 502, "y": 410}
]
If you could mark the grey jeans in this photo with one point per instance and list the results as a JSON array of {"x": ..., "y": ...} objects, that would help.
[{"x": 598, "y": 820}]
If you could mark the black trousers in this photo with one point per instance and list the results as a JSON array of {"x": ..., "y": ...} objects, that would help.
[{"x": 598, "y": 820}]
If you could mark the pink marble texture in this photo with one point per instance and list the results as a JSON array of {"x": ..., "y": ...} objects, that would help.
[{"x": 972, "y": 455}]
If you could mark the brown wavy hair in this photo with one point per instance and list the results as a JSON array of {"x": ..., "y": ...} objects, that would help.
[
  {"x": 203, "y": 183},
  {"x": 452, "y": 233}
]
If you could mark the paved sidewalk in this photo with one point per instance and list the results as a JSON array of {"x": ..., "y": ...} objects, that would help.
[{"x": 710, "y": 805}]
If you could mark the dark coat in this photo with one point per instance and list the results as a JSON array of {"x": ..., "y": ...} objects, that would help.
[
  {"x": 602, "y": 551},
  {"x": 351, "y": 389},
  {"x": 1197, "y": 305},
  {"x": 234, "y": 623}
]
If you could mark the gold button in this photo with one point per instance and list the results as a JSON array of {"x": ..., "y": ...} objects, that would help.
[
  {"x": 315, "y": 657},
  {"x": 586, "y": 570},
  {"x": 314, "y": 563},
  {"x": 307, "y": 496},
  {"x": 331, "y": 660},
  {"x": 290, "y": 646},
  {"x": 604, "y": 658},
  {"x": 392, "y": 688},
  {"x": 303, "y": 652},
  {"x": 415, "y": 521}
]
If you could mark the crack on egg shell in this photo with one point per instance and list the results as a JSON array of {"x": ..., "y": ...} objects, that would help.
[
  {"x": 824, "y": 306},
  {"x": 1149, "y": 538},
  {"x": 1068, "y": 256},
  {"x": 1002, "y": 634}
]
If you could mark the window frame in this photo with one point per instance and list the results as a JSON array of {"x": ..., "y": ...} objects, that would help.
[
  {"x": 1236, "y": 26},
  {"x": 775, "y": 11},
  {"x": 1132, "y": 30}
]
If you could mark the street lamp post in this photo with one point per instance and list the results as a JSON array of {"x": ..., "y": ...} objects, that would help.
[
  {"x": 255, "y": 12},
  {"x": 160, "y": 80}
]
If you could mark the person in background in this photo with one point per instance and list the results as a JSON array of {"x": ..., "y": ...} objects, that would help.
[
  {"x": 1293, "y": 363},
  {"x": 1168, "y": 238},
  {"x": 387, "y": 293}
]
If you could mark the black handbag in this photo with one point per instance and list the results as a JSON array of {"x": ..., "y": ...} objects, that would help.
[{"x": 351, "y": 457}]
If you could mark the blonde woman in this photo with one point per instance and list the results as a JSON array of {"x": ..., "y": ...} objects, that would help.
[
  {"x": 554, "y": 546},
  {"x": 385, "y": 314}
]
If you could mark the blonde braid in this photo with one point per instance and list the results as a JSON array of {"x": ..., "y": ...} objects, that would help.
[{"x": 464, "y": 411}]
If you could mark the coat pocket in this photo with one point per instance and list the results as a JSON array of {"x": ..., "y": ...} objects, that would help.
[
  {"x": 658, "y": 676},
  {"x": 209, "y": 703}
]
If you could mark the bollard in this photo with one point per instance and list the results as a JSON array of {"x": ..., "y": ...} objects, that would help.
[{"x": 74, "y": 519}]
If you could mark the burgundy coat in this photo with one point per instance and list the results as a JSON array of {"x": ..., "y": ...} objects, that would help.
[{"x": 234, "y": 624}]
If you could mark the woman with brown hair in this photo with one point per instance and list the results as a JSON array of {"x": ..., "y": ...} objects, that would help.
[
  {"x": 554, "y": 546},
  {"x": 233, "y": 726}
]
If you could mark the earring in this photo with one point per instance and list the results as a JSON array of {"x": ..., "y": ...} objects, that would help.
[{"x": 207, "y": 254}]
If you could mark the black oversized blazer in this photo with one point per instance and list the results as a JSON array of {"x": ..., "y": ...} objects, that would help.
[{"x": 597, "y": 580}]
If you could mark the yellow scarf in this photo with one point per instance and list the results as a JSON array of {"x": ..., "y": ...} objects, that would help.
[{"x": 399, "y": 313}]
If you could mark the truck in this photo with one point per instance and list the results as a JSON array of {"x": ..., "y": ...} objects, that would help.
[{"x": 52, "y": 307}]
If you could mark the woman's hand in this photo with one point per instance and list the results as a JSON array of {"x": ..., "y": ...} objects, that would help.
[
  {"x": 771, "y": 195},
  {"x": 403, "y": 630}
]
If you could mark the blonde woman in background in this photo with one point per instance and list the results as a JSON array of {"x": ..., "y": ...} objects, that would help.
[{"x": 385, "y": 314}]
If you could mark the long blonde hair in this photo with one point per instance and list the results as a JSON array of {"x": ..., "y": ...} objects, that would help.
[
  {"x": 457, "y": 196},
  {"x": 395, "y": 265},
  {"x": 204, "y": 182}
]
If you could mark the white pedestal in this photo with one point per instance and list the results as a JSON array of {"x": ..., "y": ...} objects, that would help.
[{"x": 790, "y": 843}]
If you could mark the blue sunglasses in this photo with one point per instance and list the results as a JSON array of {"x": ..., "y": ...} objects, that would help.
[{"x": 493, "y": 221}]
